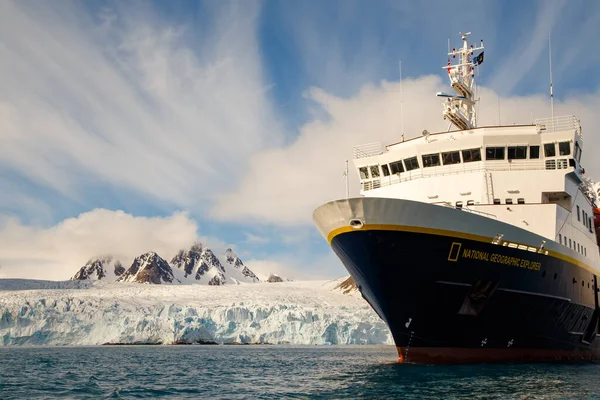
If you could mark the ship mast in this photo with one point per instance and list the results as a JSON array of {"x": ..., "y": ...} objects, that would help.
[{"x": 459, "y": 109}]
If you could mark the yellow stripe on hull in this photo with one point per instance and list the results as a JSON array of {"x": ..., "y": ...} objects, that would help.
[{"x": 443, "y": 232}]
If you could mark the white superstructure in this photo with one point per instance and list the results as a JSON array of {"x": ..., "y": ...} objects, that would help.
[{"x": 526, "y": 175}]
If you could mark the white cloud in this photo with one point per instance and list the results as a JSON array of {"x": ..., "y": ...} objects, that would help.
[
  {"x": 169, "y": 111},
  {"x": 327, "y": 266},
  {"x": 57, "y": 252},
  {"x": 283, "y": 186}
]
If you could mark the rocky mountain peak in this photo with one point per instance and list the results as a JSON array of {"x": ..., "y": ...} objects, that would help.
[
  {"x": 100, "y": 268},
  {"x": 197, "y": 247},
  {"x": 148, "y": 268},
  {"x": 198, "y": 264},
  {"x": 234, "y": 261},
  {"x": 186, "y": 261}
]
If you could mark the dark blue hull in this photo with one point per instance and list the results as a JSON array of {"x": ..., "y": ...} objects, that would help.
[{"x": 458, "y": 300}]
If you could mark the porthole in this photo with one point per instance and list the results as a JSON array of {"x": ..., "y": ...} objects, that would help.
[{"x": 356, "y": 223}]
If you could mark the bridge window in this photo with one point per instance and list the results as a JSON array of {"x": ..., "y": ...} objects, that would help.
[
  {"x": 431, "y": 160},
  {"x": 520, "y": 201},
  {"x": 364, "y": 173},
  {"x": 578, "y": 216},
  {"x": 494, "y": 153},
  {"x": 564, "y": 148},
  {"x": 471, "y": 155},
  {"x": 508, "y": 201},
  {"x": 385, "y": 169},
  {"x": 374, "y": 171},
  {"x": 570, "y": 244},
  {"x": 452, "y": 157},
  {"x": 517, "y": 152},
  {"x": 534, "y": 152},
  {"x": 471, "y": 202},
  {"x": 397, "y": 167},
  {"x": 549, "y": 150},
  {"x": 590, "y": 224},
  {"x": 411, "y": 163},
  {"x": 496, "y": 201},
  {"x": 459, "y": 204},
  {"x": 577, "y": 152}
]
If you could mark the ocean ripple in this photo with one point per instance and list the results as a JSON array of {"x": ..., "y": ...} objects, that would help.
[{"x": 261, "y": 372}]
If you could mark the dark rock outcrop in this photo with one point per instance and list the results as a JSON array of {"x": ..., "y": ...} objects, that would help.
[
  {"x": 274, "y": 278},
  {"x": 148, "y": 268}
]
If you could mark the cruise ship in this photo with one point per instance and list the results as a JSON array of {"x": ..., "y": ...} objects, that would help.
[{"x": 476, "y": 244}]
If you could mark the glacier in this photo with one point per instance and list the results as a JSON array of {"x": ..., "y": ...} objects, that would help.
[{"x": 95, "y": 312}]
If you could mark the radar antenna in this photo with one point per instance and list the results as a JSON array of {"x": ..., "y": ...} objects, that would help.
[{"x": 460, "y": 108}]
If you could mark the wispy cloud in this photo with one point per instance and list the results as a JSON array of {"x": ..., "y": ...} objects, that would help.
[
  {"x": 252, "y": 239},
  {"x": 308, "y": 172},
  {"x": 130, "y": 101},
  {"x": 520, "y": 60}
]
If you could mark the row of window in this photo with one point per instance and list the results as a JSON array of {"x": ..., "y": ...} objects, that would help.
[
  {"x": 509, "y": 201},
  {"x": 468, "y": 155},
  {"x": 587, "y": 220},
  {"x": 572, "y": 245},
  {"x": 459, "y": 204}
]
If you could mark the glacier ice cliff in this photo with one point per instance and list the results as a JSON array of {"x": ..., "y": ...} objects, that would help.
[{"x": 310, "y": 312}]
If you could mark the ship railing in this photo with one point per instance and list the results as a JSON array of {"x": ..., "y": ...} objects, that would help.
[
  {"x": 457, "y": 169},
  {"x": 368, "y": 150},
  {"x": 465, "y": 208},
  {"x": 558, "y": 124}
]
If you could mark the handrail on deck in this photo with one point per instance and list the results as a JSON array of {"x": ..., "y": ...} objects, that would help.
[
  {"x": 368, "y": 150},
  {"x": 557, "y": 124}
]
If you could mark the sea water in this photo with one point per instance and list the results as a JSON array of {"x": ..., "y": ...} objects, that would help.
[{"x": 304, "y": 372}]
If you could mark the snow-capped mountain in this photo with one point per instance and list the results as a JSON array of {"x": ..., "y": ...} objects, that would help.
[
  {"x": 236, "y": 269},
  {"x": 200, "y": 265},
  {"x": 98, "y": 312},
  {"x": 148, "y": 268},
  {"x": 197, "y": 265},
  {"x": 102, "y": 268}
]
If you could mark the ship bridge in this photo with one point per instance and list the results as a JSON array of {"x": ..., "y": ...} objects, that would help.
[{"x": 496, "y": 171}]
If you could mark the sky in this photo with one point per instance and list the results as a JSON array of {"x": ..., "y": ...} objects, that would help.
[{"x": 134, "y": 126}]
